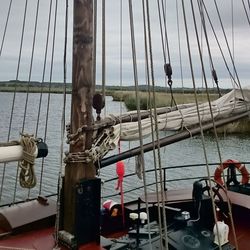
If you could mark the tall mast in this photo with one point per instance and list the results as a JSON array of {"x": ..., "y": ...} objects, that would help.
[{"x": 81, "y": 106}]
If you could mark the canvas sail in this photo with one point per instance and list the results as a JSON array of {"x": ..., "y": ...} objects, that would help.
[{"x": 232, "y": 103}]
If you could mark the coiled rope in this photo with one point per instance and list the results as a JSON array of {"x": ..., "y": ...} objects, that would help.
[{"x": 27, "y": 177}]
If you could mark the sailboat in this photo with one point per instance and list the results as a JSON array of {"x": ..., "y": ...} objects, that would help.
[{"x": 211, "y": 211}]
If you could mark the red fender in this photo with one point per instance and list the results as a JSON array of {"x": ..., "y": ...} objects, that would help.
[{"x": 238, "y": 165}]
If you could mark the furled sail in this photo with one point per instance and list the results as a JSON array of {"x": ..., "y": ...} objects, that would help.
[{"x": 232, "y": 103}]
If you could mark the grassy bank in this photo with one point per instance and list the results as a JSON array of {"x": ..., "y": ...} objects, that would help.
[{"x": 161, "y": 99}]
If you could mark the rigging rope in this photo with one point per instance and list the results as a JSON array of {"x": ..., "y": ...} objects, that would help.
[
  {"x": 44, "y": 67},
  {"x": 155, "y": 117},
  {"x": 219, "y": 45},
  {"x": 202, "y": 134},
  {"x": 245, "y": 9},
  {"x": 30, "y": 70},
  {"x": 152, "y": 129},
  {"x": 94, "y": 42},
  {"x": 228, "y": 47},
  {"x": 103, "y": 51},
  {"x": 194, "y": 87},
  {"x": 42, "y": 84},
  {"x": 31, "y": 65},
  {"x": 138, "y": 105},
  {"x": 167, "y": 66},
  {"x": 179, "y": 46},
  {"x": 60, "y": 174},
  {"x": 49, "y": 92},
  {"x": 214, "y": 74},
  {"x": 13, "y": 102}
]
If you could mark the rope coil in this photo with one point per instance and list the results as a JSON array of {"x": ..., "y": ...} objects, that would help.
[{"x": 27, "y": 177}]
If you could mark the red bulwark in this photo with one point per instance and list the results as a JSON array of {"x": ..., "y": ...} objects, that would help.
[{"x": 37, "y": 240}]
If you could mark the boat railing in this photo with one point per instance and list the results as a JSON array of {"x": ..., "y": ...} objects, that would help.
[
  {"x": 168, "y": 183},
  {"x": 166, "y": 180}
]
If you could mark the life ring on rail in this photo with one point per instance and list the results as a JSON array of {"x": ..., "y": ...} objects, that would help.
[{"x": 241, "y": 168}]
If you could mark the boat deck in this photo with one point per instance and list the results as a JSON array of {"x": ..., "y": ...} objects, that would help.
[{"x": 43, "y": 239}]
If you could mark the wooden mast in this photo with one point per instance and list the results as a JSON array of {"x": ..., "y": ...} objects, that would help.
[{"x": 81, "y": 105}]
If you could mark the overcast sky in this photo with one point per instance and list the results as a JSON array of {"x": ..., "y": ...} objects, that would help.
[{"x": 240, "y": 46}]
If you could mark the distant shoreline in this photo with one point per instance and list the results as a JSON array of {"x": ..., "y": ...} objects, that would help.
[
  {"x": 58, "y": 87},
  {"x": 127, "y": 96},
  {"x": 32, "y": 89}
]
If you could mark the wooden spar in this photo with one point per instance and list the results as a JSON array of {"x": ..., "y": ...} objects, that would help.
[
  {"x": 81, "y": 105},
  {"x": 169, "y": 140},
  {"x": 11, "y": 153}
]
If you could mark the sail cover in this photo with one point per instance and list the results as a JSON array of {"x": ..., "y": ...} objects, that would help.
[{"x": 235, "y": 102}]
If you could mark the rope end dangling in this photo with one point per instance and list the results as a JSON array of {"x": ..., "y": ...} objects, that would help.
[{"x": 120, "y": 170}]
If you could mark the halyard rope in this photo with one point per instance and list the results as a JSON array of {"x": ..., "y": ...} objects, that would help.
[{"x": 133, "y": 46}]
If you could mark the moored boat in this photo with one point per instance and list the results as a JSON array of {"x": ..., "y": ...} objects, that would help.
[{"x": 209, "y": 212}]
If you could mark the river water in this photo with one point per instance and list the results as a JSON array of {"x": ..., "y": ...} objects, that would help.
[{"x": 189, "y": 151}]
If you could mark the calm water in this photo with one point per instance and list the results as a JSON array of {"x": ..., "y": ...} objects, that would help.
[{"x": 189, "y": 151}]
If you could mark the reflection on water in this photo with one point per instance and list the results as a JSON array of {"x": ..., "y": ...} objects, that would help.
[{"x": 189, "y": 151}]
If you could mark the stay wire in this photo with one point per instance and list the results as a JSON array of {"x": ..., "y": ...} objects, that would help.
[
  {"x": 94, "y": 42},
  {"x": 207, "y": 43},
  {"x": 29, "y": 80},
  {"x": 138, "y": 102},
  {"x": 14, "y": 96},
  {"x": 212, "y": 116},
  {"x": 103, "y": 50},
  {"x": 44, "y": 68},
  {"x": 5, "y": 27},
  {"x": 170, "y": 81},
  {"x": 218, "y": 43},
  {"x": 245, "y": 9},
  {"x": 152, "y": 122},
  {"x": 232, "y": 14},
  {"x": 164, "y": 37},
  {"x": 161, "y": 30},
  {"x": 195, "y": 94},
  {"x": 179, "y": 45},
  {"x": 228, "y": 47},
  {"x": 165, "y": 29},
  {"x": 121, "y": 59},
  {"x": 42, "y": 83},
  {"x": 229, "y": 50},
  {"x": 11, "y": 115},
  {"x": 30, "y": 71},
  {"x": 156, "y": 120},
  {"x": 49, "y": 92},
  {"x": 31, "y": 66}
]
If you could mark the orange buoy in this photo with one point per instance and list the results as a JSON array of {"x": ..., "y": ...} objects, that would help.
[{"x": 241, "y": 168}]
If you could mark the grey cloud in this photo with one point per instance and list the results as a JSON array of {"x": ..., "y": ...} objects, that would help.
[{"x": 12, "y": 43}]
